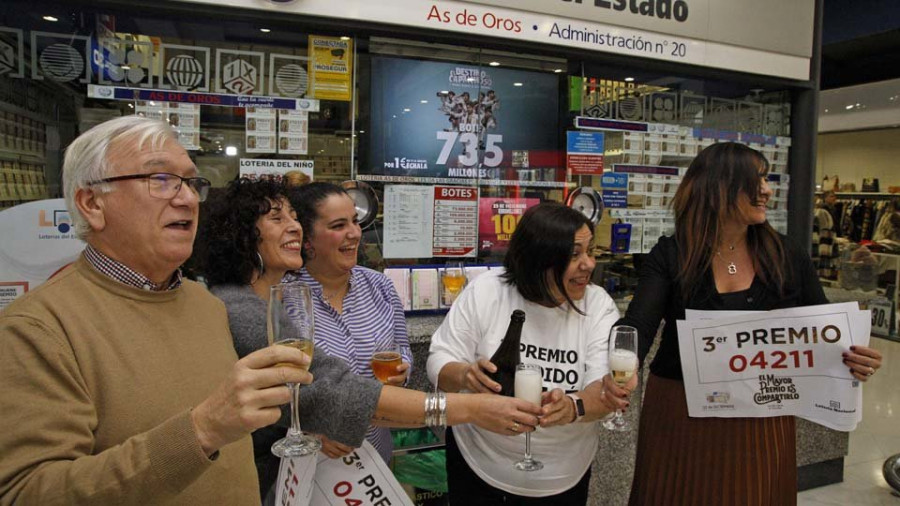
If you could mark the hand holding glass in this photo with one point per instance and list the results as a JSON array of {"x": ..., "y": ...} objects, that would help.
[
  {"x": 453, "y": 279},
  {"x": 623, "y": 363},
  {"x": 528, "y": 387},
  {"x": 385, "y": 362},
  {"x": 289, "y": 322}
]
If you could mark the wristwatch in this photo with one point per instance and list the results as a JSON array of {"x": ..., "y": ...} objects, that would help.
[{"x": 579, "y": 407}]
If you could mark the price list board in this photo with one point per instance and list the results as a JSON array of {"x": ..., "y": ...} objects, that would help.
[{"x": 455, "y": 221}]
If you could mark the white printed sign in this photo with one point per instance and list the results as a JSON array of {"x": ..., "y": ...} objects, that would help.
[
  {"x": 296, "y": 172},
  {"x": 358, "y": 479},
  {"x": 774, "y": 363}
]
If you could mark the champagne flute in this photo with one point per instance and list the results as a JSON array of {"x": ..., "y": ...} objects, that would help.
[
  {"x": 454, "y": 279},
  {"x": 623, "y": 363},
  {"x": 528, "y": 387},
  {"x": 385, "y": 361},
  {"x": 289, "y": 322}
]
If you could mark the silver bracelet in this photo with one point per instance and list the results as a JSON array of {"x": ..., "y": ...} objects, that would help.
[
  {"x": 435, "y": 409},
  {"x": 442, "y": 409}
]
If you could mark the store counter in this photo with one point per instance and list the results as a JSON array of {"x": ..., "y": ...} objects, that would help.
[{"x": 820, "y": 451}]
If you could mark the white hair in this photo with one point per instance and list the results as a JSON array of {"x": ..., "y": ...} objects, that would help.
[{"x": 86, "y": 157}]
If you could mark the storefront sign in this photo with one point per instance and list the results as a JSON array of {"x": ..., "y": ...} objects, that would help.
[
  {"x": 584, "y": 153},
  {"x": 220, "y": 99},
  {"x": 37, "y": 241},
  {"x": 458, "y": 121},
  {"x": 296, "y": 172},
  {"x": 774, "y": 363},
  {"x": 331, "y": 61},
  {"x": 455, "y": 221},
  {"x": 735, "y": 37},
  {"x": 737, "y": 22},
  {"x": 497, "y": 220}
]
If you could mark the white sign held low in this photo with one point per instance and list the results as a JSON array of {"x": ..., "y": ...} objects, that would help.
[{"x": 774, "y": 363}]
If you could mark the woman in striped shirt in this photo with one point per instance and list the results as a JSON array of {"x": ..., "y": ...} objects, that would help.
[{"x": 357, "y": 310}]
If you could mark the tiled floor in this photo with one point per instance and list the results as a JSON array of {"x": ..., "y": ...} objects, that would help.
[{"x": 875, "y": 439}]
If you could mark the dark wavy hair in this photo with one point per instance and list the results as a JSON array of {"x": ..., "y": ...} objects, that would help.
[
  {"x": 305, "y": 200},
  {"x": 543, "y": 241},
  {"x": 229, "y": 236},
  {"x": 706, "y": 198}
]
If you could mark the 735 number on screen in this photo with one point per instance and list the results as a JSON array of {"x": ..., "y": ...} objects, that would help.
[{"x": 493, "y": 154}]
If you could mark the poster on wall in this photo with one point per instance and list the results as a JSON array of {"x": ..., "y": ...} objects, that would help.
[
  {"x": 584, "y": 153},
  {"x": 449, "y": 120},
  {"x": 455, "y": 221},
  {"x": 183, "y": 118},
  {"x": 293, "y": 172},
  {"x": 293, "y": 132},
  {"x": 260, "y": 130},
  {"x": 497, "y": 220},
  {"x": 331, "y": 59},
  {"x": 38, "y": 240},
  {"x": 408, "y": 229}
]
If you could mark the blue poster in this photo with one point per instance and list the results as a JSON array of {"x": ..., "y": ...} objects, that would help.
[{"x": 456, "y": 120}]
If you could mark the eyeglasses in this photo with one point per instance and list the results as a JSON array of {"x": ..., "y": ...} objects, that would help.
[{"x": 163, "y": 185}]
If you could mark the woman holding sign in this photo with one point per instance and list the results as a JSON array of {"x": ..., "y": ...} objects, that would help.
[{"x": 724, "y": 256}]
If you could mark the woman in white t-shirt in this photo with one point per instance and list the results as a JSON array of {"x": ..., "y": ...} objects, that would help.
[{"x": 547, "y": 275}]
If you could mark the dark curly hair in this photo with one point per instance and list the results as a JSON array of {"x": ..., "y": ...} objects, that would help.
[{"x": 228, "y": 241}]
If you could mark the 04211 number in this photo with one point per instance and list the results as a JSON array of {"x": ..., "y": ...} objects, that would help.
[
  {"x": 775, "y": 360},
  {"x": 493, "y": 155}
]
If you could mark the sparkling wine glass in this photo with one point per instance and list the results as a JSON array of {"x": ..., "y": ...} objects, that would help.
[
  {"x": 289, "y": 322},
  {"x": 454, "y": 279},
  {"x": 623, "y": 363},
  {"x": 528, "y": 387}
]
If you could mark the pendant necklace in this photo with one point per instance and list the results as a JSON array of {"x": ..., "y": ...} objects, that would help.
[{"x": 732, "y": 269}]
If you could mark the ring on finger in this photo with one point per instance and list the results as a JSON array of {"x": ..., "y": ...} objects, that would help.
[
  {"x": 871, "y": 371},
  {"x": 515, "y": 426}
]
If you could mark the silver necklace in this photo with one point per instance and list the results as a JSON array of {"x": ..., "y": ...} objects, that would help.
[{"x": 732, "y": 269}]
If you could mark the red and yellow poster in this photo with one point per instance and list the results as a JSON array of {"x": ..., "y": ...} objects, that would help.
[
  {"x": 331, "y": 64},
  {"x": 497, "y": 220}
]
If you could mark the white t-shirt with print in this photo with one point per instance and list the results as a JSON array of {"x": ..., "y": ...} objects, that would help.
[{"x": 570, "y": 348}]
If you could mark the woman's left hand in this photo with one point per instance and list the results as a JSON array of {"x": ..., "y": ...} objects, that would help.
[
  {"x": 399, "y": 379},
  {"x": 557, "y": 408},
  {"x": 332, "y": 449},
  {"x": 862, "y": 361}
]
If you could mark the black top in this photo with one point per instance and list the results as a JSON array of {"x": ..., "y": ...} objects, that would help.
[{"x": 658, "y": 296}]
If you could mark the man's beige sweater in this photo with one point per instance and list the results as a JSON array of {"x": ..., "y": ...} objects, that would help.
[{"x": 98, "y": 380}]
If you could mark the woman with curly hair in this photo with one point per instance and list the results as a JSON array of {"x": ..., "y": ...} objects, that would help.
[{"x": 251, "y": 240}]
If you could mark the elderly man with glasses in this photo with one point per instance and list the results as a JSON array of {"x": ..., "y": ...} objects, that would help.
[{"x": 120, "y": 382}]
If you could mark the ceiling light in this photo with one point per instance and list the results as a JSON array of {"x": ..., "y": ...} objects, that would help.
[
  {"x": 518, "y": 84},
  {"x": 629, "y": 79},
  {"x": 406, "y": 109},
  {"x": 345, "y": 38},
  {"x": 230, "y": 150},
  {"x": 265, "y": 30},
  {"x": 362, "y": 131},
  {"x": 849, "y": 107},
  {"x": 494, "y": 64},
  {"x": 423, "y": 101},
  {"x": 50, "y": 18},
  {"x": 557, "y": 70}
]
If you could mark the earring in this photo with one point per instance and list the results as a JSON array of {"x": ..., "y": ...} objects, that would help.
[{"x": 261, "y": 267}]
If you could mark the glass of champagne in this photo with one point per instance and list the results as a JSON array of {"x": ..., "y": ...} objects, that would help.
[
  {"x": 385, "y": 361},
  {"x": 623, "y": 363},
  {"x": 528, "y": 386},
  {"x": 454, "y": 279},
  {"x": 289, "y": 322}
]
